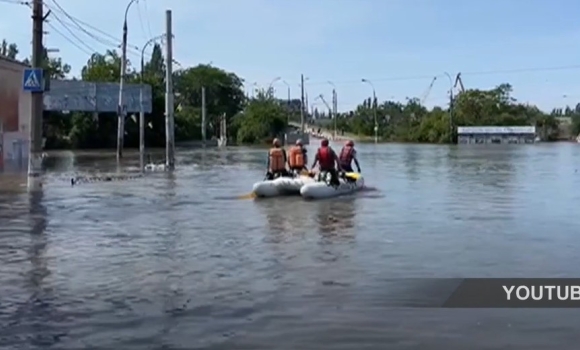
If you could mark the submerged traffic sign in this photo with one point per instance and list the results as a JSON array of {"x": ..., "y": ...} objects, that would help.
[{"x": 33, "y": 80}]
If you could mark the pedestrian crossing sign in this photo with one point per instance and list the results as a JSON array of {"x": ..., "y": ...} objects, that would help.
[{"x": 33, "y": 80}]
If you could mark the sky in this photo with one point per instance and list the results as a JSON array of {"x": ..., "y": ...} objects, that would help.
[{"x": 398, "y": 45}]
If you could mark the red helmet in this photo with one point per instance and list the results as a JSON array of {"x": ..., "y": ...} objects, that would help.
[
  {"x": 276, "y": 142},
  {"x": 350, "y": 143},
  {"x": 324, "y": 143}
]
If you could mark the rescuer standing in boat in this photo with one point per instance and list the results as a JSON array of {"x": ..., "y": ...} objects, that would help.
[
  {"x": 327, "y": 162},
  {"x": 297, "y": 158},
  {"x": 277, "y": 160},
  {"x": 347, "y": 155}
]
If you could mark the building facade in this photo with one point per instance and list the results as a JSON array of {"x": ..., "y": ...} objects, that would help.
[
  {"x": 496, "y": 134},
  {"x": 15, "y": 110}
]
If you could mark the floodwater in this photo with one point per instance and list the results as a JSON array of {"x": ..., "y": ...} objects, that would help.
[{"x": 173, "y": 261}]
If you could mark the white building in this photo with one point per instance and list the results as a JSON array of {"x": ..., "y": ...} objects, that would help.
[{"x": 496, "y": 134}]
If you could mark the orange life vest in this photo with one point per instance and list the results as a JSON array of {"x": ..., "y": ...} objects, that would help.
[
  {"x": 346, "y": 155},
  {"x": 296, "y": 157},
  {"x": 277, "y": 160},
  {"x": 325, "y": 158}
]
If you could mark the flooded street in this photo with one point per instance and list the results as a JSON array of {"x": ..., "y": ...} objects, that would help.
[{"x": 174, "y": 261}]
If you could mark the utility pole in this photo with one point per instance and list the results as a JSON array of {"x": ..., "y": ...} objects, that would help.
[
  {"x": 35, "y": 129},
  {"x": 288, "y": 102},
  {"x": 203, "y": 116},
  {"x": 169, "y": 122},
  {"x": 121, "y": 107},
  {"x": 451, "y": 103},
  {"x": 141, "y": 117},
  {"x": 302, "y": 103},
  {"x": 334, "y": 110}
]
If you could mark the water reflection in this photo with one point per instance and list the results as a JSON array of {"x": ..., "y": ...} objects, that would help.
[
  {"x": 410, "y": 161},
  {"x": 40, "y": 311},
  {"x": 336, "y": 216},
  {"x": 484, "y": 176},
  {"x": 489, "y": 166},
  {"x": 286, "y": 217}
]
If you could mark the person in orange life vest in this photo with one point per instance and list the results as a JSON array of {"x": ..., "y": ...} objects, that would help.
[
  {"x": 276, "y": 161},
  {"x": 297, "y": 158},
  {"x": 347, "y": 155},
  {"x": 326, "y": 159}
]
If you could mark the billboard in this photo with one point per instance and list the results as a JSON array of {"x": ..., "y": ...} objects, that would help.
[{"x": 82, "y": 96}]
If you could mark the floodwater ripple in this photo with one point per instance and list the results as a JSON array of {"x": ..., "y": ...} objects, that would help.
[{"x": 166, "y": 262}]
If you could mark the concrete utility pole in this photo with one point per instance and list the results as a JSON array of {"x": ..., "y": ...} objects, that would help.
[
  {"x": 35, "y": 129},
  {"x": 169, "y": 122},
  {"x": 334, "y": 111},
  {"x": 334, "y": 107},
  {"x": 287, "y": 100},
  {"x": 121, "y": 109},
  {"x": 302, "y": 103},
  {"x": 203, "y": 116},
  {"x": 451, "y": 103},
  {"x": 374, "y": 104}
]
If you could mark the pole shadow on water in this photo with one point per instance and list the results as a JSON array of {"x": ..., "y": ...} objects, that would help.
[{"x": 37, "y": 313}]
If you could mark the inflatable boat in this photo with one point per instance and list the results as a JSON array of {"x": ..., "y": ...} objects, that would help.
[
  {"x": 320, "y": 188},
  {"x": 281, "y": 186}
]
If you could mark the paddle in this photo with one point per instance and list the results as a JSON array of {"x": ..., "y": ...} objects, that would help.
[
  {"x": 250, "y": 195},
  {"x": 354, "y": 176}
]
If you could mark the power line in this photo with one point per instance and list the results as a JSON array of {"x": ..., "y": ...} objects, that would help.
[
  {"x": 77, "y": 25},
  {"x": 63, "y": 35},
  {"x": 16, "y": 2},
  {"x": 140, "y": 18},
  {"x": 472, "y": 73},
  {"x": 82, "y": 43},
  {"x": 110, "y": 41},
  {"x": 148, "y": 20},
  {"x": 68, "y": 39}
]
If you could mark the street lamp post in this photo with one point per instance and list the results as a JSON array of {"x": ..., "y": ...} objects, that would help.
[
  {"x": 271, "y": 84},
  {"x": 334, "y": 107},
  {"x": 451, "y": 103},
  {"x": 374, "y": 108},
  {"x": 254, "y": 87},
  {"x": 141, "y": 111},
  {"x": 288, "y": 99},
  {"x": 121, "y": 108}
]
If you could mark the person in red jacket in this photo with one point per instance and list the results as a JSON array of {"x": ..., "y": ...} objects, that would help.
[
  {"x": 327, "y": 162},
  {"x": 347, "y": 155}
]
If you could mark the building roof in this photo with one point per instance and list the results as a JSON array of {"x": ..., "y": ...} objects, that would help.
[{"x": 496, "y": 130}]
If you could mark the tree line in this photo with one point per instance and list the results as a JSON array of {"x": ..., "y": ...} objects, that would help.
[
  {"x": 413, "y": 122},
  {"x": 260, "y": 117}
]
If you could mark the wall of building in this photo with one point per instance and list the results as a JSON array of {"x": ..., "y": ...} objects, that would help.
[
  {"x": 495, "y": 138},
  {"x": 15, "y": 110}
]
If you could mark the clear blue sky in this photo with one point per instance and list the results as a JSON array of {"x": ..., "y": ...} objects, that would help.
[{"x": 386, "y": 41}]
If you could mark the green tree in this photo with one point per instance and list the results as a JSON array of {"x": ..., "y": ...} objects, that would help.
[
  {"x": 9, "y": 50},
  {"x": 102, "y": 67},
  {"x": 262, "y": 120},
  {"x": 224, "y": 93},
  {"x": 154, "y": 75}
]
